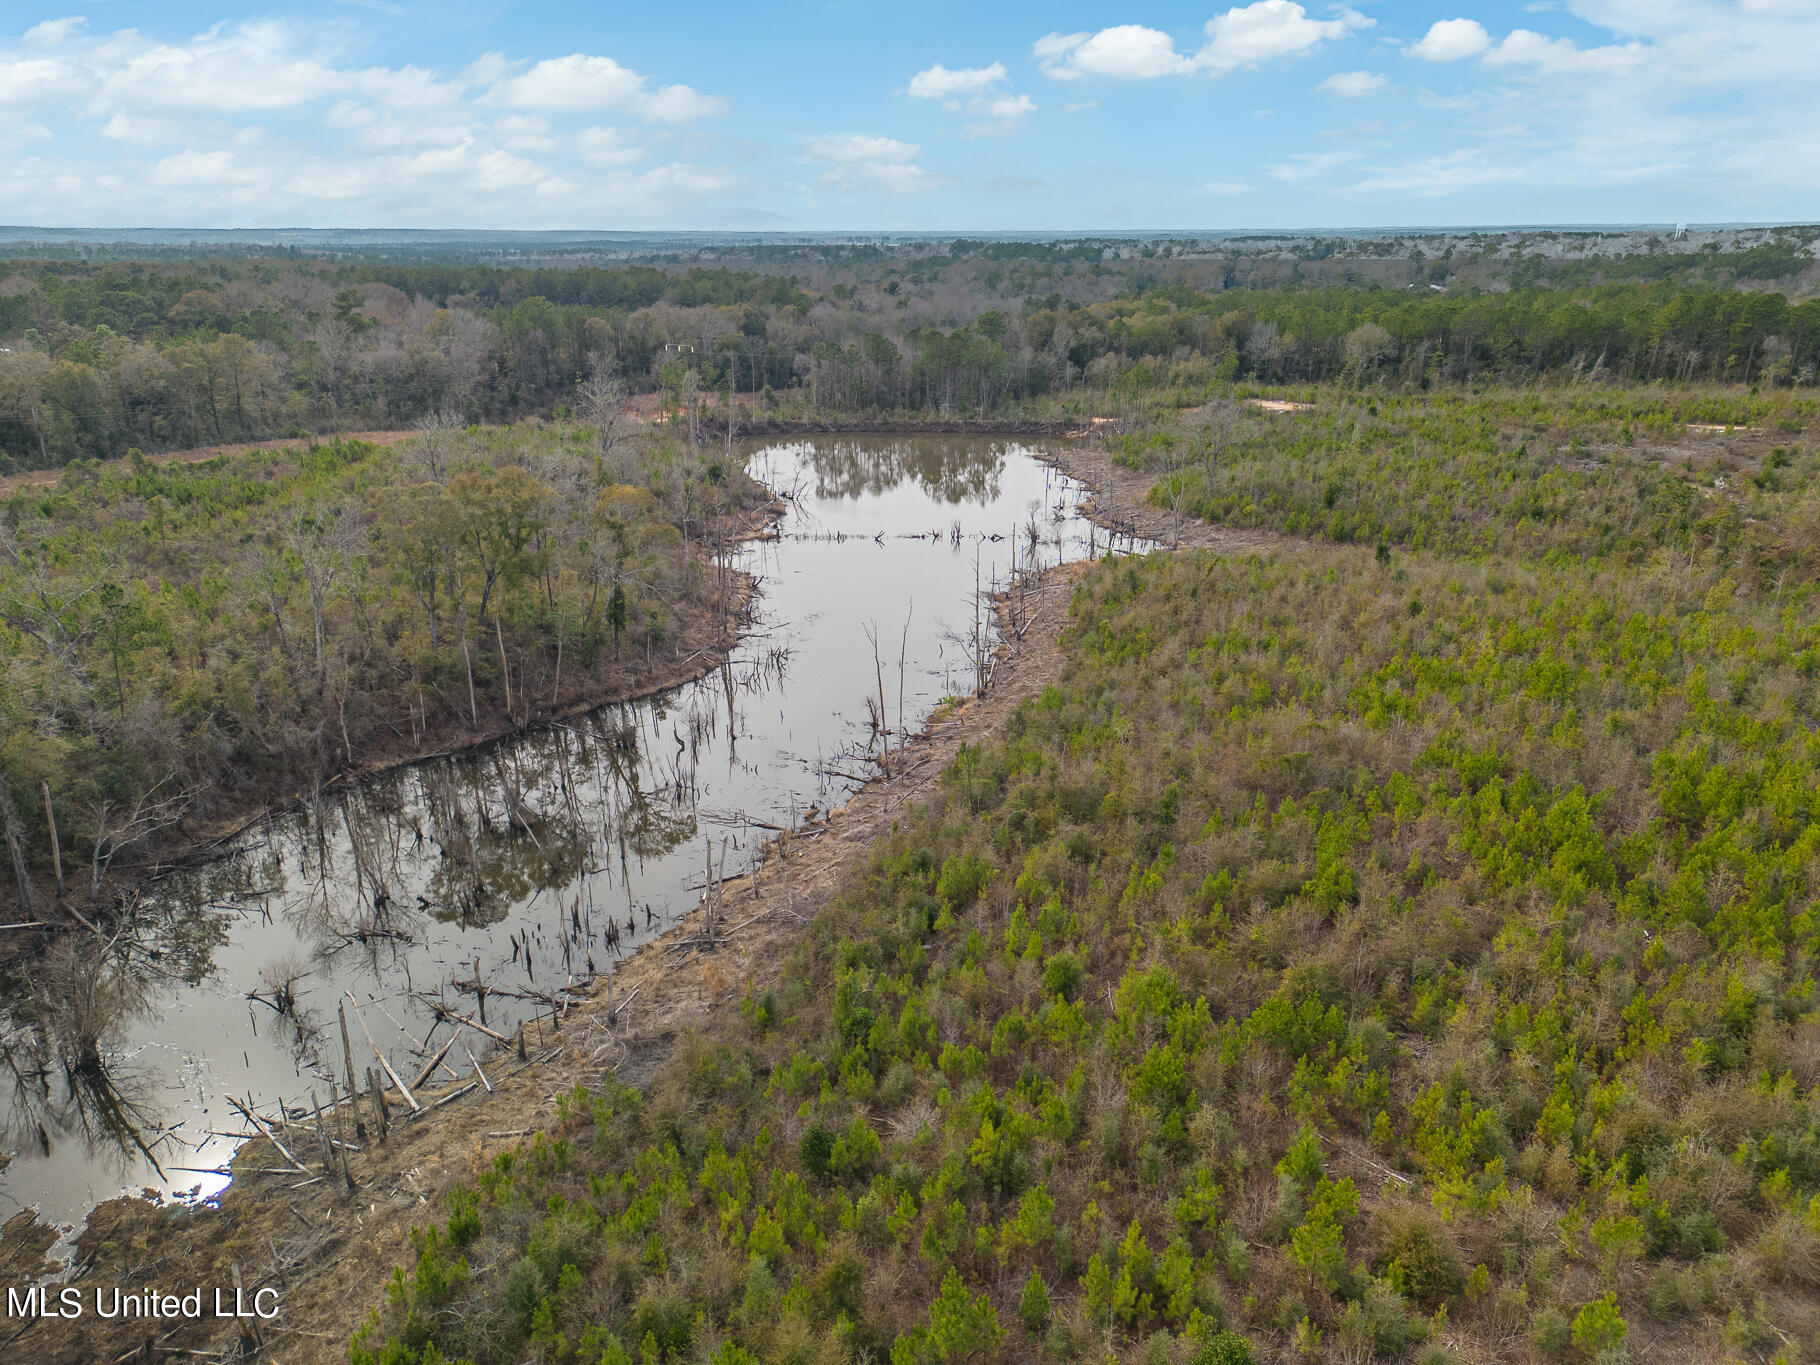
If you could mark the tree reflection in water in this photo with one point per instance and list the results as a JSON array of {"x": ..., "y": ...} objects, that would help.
[
  {"x": 961, "y": 470},
  {"x": 68, "y": 1079}
]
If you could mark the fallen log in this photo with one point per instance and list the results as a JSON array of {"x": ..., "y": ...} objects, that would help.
[
  {"x": 449, "y": 1098},
  {"x": 477, "y": 1071},
  {"x": 403, "y": 1089},
  {"x": 443, "y": 1011},
  {"x": 268, "y": 1134},
  {"x": 434, "y": 1062}
]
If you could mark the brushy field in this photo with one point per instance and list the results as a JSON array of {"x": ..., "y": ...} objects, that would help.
[{"x": 1401, "y": 950}]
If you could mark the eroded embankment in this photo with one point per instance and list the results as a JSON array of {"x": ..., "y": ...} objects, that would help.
[{"x": 328, "y": 1251}]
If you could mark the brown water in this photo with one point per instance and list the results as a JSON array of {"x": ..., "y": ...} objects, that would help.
[{"x": 119, "y": 1062}]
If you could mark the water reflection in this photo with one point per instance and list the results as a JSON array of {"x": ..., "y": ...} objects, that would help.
[
  {"x": 528, "y": 864},
  {"x": 948, "y": 470},
  {"x": 69, "y": 1080}
]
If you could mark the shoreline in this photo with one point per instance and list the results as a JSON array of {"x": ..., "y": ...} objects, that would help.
[
  {"x": 329, "y": 1248},
  {"x": 712, "y": 642},
  {"x": 887, "y": 426},
  {"x": 1119, "y": 503}
]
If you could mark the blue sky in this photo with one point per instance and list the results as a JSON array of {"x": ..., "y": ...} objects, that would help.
[{"x": 1107, "y": 115}]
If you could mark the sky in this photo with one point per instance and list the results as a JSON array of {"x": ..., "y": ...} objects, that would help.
[{"x": 854, "y": 116}]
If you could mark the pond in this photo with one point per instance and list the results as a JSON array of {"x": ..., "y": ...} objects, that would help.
[{"x": 121, "y": 1059}]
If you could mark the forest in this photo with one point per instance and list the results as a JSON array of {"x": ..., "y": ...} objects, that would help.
[
  {"x": 98, "y": 358},
  {"x": 183, "y": 643}
]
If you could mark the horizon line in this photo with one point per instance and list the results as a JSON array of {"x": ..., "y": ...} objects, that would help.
[{"x": 63, "y": 231}]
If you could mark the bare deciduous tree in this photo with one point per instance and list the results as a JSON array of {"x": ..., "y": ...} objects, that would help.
[
  {"x": 323, "y": 540},
  {"x": 600, "y": 400},
  {"x": 436, "y": 439},
  {"x": 119, "y": 823}
]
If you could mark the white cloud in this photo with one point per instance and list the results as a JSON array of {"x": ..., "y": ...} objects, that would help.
[
  {"x": 1694, "y": 108},
  {"x": 29, "y": 81},
  {"x": 939, "y": 83},
  {"x": 253, "y": 69},
  {"x": 1079, "y": 106},
  {"x": 608, "y": 147},
  {"x": 1000, "y": 117},
  {"x": 1652, "y": 108},
  {"x": 268, "y": 122},
  {"x": 1009, "y": 106},
  {"x": 573, "y": 84},
  {"x": 1225, "y": 189},
  {"x": 217, "y": 169},
  {"x": 486, "y": 169},
  {"x": 1243, "y": 36},
  {"x": 386, "y": 130},
  {"x": 147, "y": 130},
  {"x": 858, "y": 162},
  {"x": 580, "y": 84},
  {"x": 683, "y": 104},
  {"x": 525, "y": 133},
  {"x": 1353, "y": 85},
  {"x": 467, "y": 183},
  {"x": 1126, "y": 52},
  {"x": 409, "y": 88},
  {"x": 485, "y": 69},
  {"x": 974, "y": 90},
  {"x": 680, "y": 183},
  {"x": 1451, "y": 40},
  {"x": 1448, "y": 173},
  {"x": 1309, "y": 165},
  {"x": 14, "y": 135},
  {"x": 852, "y": 149},
  {"x": 1269, "y": 28},
  {"x": 1526, "y": 48},
  {"x": 52, "y": 32}
]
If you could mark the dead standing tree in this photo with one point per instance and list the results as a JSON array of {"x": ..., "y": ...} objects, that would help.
[
  {"x": 976, "y": 641},
  {"x": 600, "y": 401},
  {"x": 119, "y": 823},
  {"x": 15, "y": 846},
  {"x": 436, "y": 440},
  {"x": 881, "y": 724},
  {"x": 324, "y": 541}
]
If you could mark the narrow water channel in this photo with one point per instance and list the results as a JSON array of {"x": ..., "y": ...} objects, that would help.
[{"x": 392, "y": 891}]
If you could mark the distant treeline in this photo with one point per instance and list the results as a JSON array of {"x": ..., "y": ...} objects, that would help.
[
  {"x": 97, "y": 360},
  {"x": 627, "y": 287}
]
